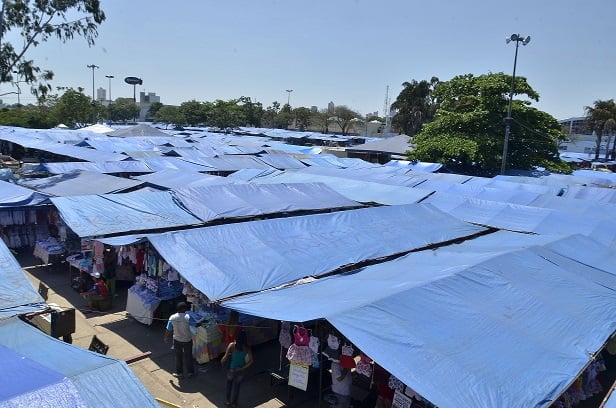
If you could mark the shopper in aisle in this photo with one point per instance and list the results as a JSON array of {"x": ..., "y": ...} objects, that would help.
[
  {"x": 239, "y": 356},
  {"x": 178, "y": 327},
  {"x": 110, "y": 261}
]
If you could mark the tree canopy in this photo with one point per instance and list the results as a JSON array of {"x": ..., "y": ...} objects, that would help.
[
  {"x": 38, "y": 21},
  {"x": 467, "y": 132},
  {"x": 414, "y": 106},
  {"x": 73, "y": 108},
  {"x": 601, "y": 119},
  {"x": 343, "y": 117}
]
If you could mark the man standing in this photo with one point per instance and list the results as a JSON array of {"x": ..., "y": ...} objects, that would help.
[
  {"x": 110, "y": 260},
  {"x": 179, "y": 327}
]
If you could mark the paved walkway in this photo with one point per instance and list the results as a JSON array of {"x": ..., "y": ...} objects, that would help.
[{"x": 128, "y": 338}]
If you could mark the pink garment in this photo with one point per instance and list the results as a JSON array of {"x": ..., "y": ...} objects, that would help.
[
  {"x": 300, "y": 354},
  {"x": 302, "y": 336}
]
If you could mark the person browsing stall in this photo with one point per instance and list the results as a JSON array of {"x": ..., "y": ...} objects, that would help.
[
  {"x": 179, "y": 327},
  {"x": 240, "y": 359}
]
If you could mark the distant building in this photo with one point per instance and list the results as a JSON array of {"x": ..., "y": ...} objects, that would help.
[
  {"x": 145, "y": 101},
  {"x": 330, "y": 108},
  {"x": 101, "y": 95},
  {"x": 580, "y": 138},
  {"x": 574, "y": 126},
  {"x": 314, "y": 108}
]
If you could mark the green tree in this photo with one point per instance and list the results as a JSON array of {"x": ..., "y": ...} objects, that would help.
[
  {"x": 38, "y": 21},
  {"x": 320, "y": 120},
  {"x": 415, "y": 106},
  {"x": 28, "y": 116},
  {"x": 597, "y": 117},
  {"x": 73, "y": 108},
  {"x": 270, "y": 115},
  {"x": 169, "y": 115},
  {"x": 302, "y": 117},
  {"x": 253, "y": 111},
  {"x": 124, "y": 109},
  {"x": 468, "y": 130},
  {"x": 194, "y": 112},
  {"x": 154, "y": 107},
  {"x": 343, "y": 117},
  {"x": 226, "y": 114}
]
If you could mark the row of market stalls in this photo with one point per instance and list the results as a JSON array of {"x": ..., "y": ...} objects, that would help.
[
  {"x": 453, "y": 284},
  {"x": 40, "y": 370}
]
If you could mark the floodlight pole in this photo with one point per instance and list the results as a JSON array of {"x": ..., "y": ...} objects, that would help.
[
  {"x": 518, "y": 39},
  {"x": 93, "y": 97},
  {"x": 110, "y": 77},
  {"x": 289, "y": 97}
]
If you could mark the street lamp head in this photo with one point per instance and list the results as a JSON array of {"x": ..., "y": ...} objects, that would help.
[
  {"x": 518, "y": 38},
  {"x": 109, "y": 76}
]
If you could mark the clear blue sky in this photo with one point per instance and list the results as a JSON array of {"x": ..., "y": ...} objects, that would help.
[{"x": 345, "y": 51}]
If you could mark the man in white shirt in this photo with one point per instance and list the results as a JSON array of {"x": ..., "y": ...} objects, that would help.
[{"x": 179, "y": 326}]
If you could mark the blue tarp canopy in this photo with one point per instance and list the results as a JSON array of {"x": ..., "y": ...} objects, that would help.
[
  {"x": 97, "y": 215},
  {"x": 522, "y": 218},
  {"x": 80, "y": 183},
  {"x": 181, "y": 178},
  {"x": 233, "y": 163},
  {"x": 17, "y": 295},
  {"x": 173, "y": 163},
  {"x": 458, "y": 323},
  {"x": 12, "y": 195},
  {"x": 71, "y": 376},
  {"x": 282, "y": 161},
  {"x": 357, "y": 190},
  {"x": 82, "y": 153},
  {"x": 249, "y": 200},
  {"x": 126, "y": 166},
  {"x": 226, "y": 260},
  {"x": 26, "y": 382}
]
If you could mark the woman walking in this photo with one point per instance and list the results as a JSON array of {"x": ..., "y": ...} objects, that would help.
[{"x": 239, "y": 356}]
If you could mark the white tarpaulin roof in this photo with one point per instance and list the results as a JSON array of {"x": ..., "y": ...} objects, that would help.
[
  {"x": 466, "y": 327},
  {"x": 227, "y": 260}
]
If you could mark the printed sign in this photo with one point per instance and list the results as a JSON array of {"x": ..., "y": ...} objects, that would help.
[
  {"x": 401, "y": 401},
  {"x": 298, "y": 376}
]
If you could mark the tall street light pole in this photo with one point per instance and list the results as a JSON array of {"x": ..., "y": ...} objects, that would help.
[
  {"x": 110, "y": 77},
  {"x": 93, "y": 97},
  {"x": 289, "y": 97},
  {"x": 518, "y": 39}
]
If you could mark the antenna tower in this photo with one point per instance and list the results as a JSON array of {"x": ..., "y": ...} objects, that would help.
[{"x": 387, "y": 112}]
